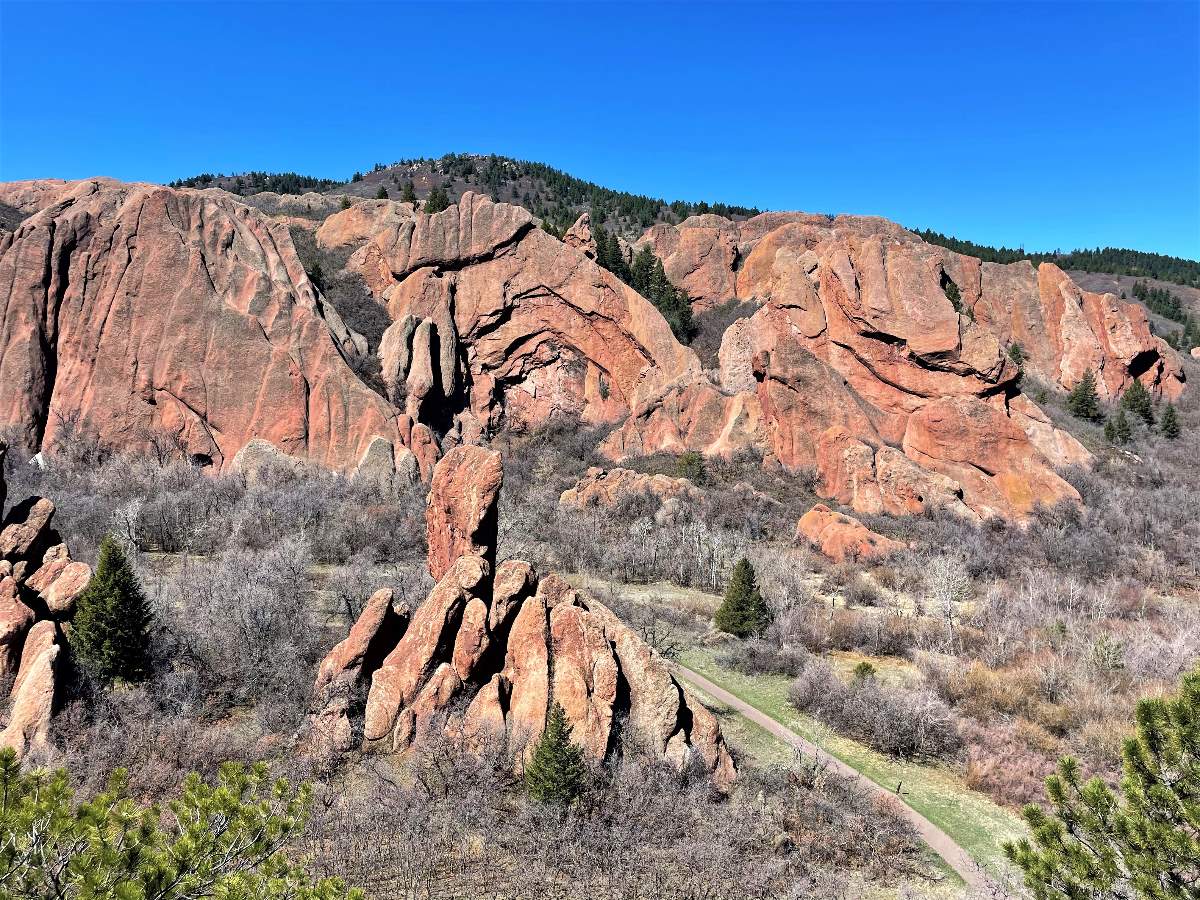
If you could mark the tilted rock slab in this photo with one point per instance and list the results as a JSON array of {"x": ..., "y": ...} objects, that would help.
[
  {"x": 841, "y": 537},
  {"x": 38, "y": 586}
]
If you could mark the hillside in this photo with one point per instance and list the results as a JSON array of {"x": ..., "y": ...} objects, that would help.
[{"x": 379, "y": 469}]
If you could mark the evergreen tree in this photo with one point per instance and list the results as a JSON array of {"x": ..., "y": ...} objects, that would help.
[
  {"x": 408, "y": 195},
  {"x": 555, "y": 773},
  {"x": 111, "y": 631},
  {"x": 1117, "y": 430},
  {"x": 1137, "y": 400},
  {"x": 1016, "y": 353},
  {"x": 1169, "y": 426},
  {"x": 438, "y": 200},
  {"x": 226, "y": 839},
  {"x": 641, "y": 270},
  {"x": 382, "y": 193},
  {"x": 1141, "y": 841},
  {"x": 1083, "y": 401},
  {"x": 744, "y": 611},
  {"x": 345, "y": 203}
]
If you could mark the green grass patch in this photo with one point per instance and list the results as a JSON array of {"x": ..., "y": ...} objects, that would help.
[{"x": 977, "y": 824}]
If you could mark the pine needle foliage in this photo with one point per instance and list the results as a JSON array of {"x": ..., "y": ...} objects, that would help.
[
  {"x": 743, "y": 612},
  {"x": 111, "y": 630},
  {"x": 1141, "y": 841},
  {"x": 225, "y": 839},
  {"x": 556, "y": 774}
]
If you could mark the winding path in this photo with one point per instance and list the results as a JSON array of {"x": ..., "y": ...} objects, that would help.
[{"x": 941, "y": 843}]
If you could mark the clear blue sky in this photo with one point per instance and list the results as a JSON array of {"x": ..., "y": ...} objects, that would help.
[{"x": 1052, "y": 125}]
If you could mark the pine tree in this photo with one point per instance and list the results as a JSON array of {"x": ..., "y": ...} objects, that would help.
[
  {"x": 1083, "y": 401},
  {"x": 1141, "y": 841},
  {"x": 1117, "y": 430},
  {"x": 221, "y": 838},
  {"x": 382, "y": 193},
  {"x": 643, "y": 266},
  {"x": 1169, "y": 425},
  {"x": 408, "y": 195},
  {"x": 743, "y": 612},
  {"x": 438, "y": 200},
  {"x": 345, "y": 203},
  {"x": 555, "y": 773},
  {"x": 111, "y": 631},
  {"x": 1137, "y": 400}
]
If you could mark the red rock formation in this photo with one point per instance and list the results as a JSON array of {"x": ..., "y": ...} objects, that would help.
[
  {"x": 143, "y": 309},
  {"x": 461, "y": 516},
  {"x": 601, "y": 487},
  {"x": 484, "y": 658},
  {"x": 857, "y": 335},
  {"x": 32, "y": 606},
  {"x": 842, "y": 537},
  {"x": 495, "y": 321}
]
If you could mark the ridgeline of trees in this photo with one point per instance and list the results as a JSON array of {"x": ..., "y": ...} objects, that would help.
[
  {"x": 1109, "y": 260},
  {"x": 257, "y": 182},
  {"x": 1166, "y": 304}
]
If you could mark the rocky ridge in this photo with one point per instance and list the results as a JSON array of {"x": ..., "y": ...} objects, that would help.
[
  {"x": 493, "y": 646},
  {"x": 39, "y": 583},
  {"x": 884, "y": 363}
]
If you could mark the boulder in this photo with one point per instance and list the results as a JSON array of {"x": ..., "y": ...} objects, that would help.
[
  {"x": 374, "y": 634},
  {"x": 26, "y": 528},
  {"x": 579, "y": 236},
  {"x": 841, "y": 537},
  {"x": 461, "y": 515},
  {"x": 15, "y": 620},
  {"x": 28, "y": 727}
]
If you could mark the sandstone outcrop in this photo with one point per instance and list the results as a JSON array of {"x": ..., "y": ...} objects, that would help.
[
  {"x": 495, "y": 322},
  {"x": 490, "y": 650},
  {"x": 38, "y": 586},
  {"x": 862, "y": 327},
  {"x": 841, "y": 537},
  {"x": 143, "y": 310},
  {"x": 610, "y": 487},
  {"x": 461, "y": 514}
]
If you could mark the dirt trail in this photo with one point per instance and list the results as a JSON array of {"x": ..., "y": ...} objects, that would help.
[{"x": 941, "y": 843}]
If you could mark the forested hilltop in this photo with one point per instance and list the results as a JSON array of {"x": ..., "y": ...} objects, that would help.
[
  {"x": 550, "y": 194},
  {"x": 1113, "y": 260}
]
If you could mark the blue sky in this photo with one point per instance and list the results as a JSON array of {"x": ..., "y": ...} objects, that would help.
[{"x": 1051, "y": 125}]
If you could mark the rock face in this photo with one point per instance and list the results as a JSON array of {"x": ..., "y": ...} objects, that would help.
[
  {"x": 38, "y": 587},
  {"x": 491, "y": 649},
  {"x": 143, "y": 310},
  {"x": 461, "y": 516},
  {"x": 148, "y": 312},
  {"x": 861, "y": 329},
  {"x": 841, "y": 537},
  {"x": 497, "y": 322}
]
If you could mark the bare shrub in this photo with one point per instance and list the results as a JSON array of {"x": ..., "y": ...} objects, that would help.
[{"x": 912, "y": 724}]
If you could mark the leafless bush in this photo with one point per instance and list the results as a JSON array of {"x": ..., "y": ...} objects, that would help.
[
  {"x": 762, "y": 657},
  {"x": 912, "y": 724}
]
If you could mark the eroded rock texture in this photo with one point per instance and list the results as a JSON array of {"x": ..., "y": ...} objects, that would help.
[
  {"x": 873, "y": 357},
  {"x": 886, "y": 363},
  {"x": 484, "y": 657},
  {"x": 142, "y": 310},
  {"x": 38, "y": 587}
]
